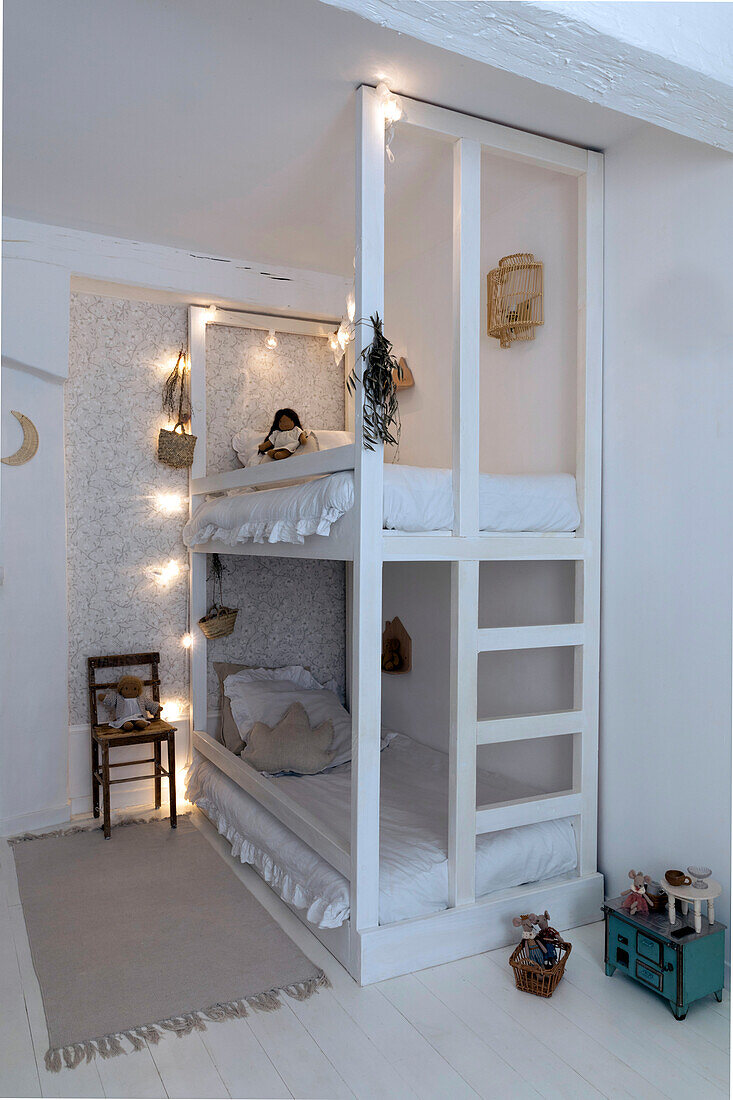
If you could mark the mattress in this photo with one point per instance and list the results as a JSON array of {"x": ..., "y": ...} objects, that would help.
[
  {"x": 415, "y": 499},
  {"x": 413, "y": 875}
]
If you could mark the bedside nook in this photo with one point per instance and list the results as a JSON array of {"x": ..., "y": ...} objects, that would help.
[{"x": 677, "y": 962}]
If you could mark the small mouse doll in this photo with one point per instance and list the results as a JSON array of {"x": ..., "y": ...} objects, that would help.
[
  {"x": 549, "y": 936},
  {"x": 534, "y": 947},
  {"x": 635, "y": 899},
  {"x": 285, "y": 435},
  {"x": 129, "y": 706}
]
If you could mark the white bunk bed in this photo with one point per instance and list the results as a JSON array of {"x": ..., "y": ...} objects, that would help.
[{"x": 372, "y": 951}]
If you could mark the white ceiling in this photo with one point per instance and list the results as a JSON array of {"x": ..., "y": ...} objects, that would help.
[{"x": 226, "y": 127}]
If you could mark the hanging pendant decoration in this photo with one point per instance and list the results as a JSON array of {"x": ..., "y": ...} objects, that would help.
[
  {"x": 381, "y": 374},
  {"x": 219, "y": 621},
  {"x": 514, "y": 298},
  {"x": 29, "y": 446},
  {"x": 176, "y": 445}
]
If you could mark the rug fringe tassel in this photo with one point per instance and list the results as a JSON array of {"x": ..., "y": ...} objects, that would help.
[
  {"x": 90, "y": 826},
  {"x": 110, "y": 1046}
]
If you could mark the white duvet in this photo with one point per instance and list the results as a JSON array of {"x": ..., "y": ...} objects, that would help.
[
  {"x": 413, "y": 836},
  {"x": 415, "y": 499}
]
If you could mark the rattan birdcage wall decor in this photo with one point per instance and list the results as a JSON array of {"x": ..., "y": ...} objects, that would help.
[{"x": 514, "y": 299}]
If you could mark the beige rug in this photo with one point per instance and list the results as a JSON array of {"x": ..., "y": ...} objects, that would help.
[{"x": 145, "y": 933}]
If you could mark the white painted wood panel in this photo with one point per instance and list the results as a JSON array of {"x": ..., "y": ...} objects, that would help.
[
  {"x": 314, "y": 832},
  {"x": 492, "y": 731},
  {"x": 462, "y": 743},
  {"x": 466, "y": 335},
  {"x": 460, "y": 1046},
  {"x": 455, "y": 933},
  {"x": 527, "y": 811},
  {"x": 502, "y": 140},
  {"x": 271, "y": 473},
  {"x": 441, "y": 546},
  {"x": 495, "y": 638},
  {"x": 197, "y": 563},
  {"x": 297, "y": 326},
  {"x": 366, "y": 683},
  {"x": 588, "y": 475}
]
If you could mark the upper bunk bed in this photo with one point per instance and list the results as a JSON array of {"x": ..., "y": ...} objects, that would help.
[
  {"x": 439, "y": 506},
  {"x": 242, "y": 512}
]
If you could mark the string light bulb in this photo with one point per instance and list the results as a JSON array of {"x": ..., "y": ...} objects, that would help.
[
  {"x": 271, "y": 340},
  {"x": 171, "y": 710},
  {"x": 211, "y": 314},
  {"x": 187, "y": 641},
  {"x": 169, "y": 503},
  {"x": 342, "y": 336},
  {"x": 390, "y": 103},
  {"x": 168, "y": 572},
  {"x": 351, "y": 305},
  {"x": 333, "y": 341}
]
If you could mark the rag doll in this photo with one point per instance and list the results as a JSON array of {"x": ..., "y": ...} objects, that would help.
[
  {"x": 534, "y": 947},
  {"x": 635, "y": 899},
  {"x": 547, "y": 935},
  {"x": 129, "y": 707},
  {"x": 285, "y": 435}
]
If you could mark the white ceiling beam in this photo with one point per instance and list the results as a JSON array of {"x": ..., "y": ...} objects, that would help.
[{"x": 557, "y": 48}]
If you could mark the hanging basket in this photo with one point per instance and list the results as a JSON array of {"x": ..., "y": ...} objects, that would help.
[
  {"x": 530, "y": 977},
  {"x": 219, "y": 621},
  {"x": 514, "y": 298},
  {"x": 176, "y": 447}
]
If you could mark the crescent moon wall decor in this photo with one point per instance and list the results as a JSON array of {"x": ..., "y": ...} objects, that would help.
[{"x": 29, "y": 446}]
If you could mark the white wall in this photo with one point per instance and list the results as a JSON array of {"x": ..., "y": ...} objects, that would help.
[{"x": 665, "y": 771}]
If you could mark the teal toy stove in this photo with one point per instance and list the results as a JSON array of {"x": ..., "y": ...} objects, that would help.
[{"x": 677, "y": 962}]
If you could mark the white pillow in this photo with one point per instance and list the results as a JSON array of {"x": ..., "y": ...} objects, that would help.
[
  {"x": 246, "y": 443},
  {"x": 299, "y": 675},
  {"x": 267, "y": 701},
  {"x": 329, "y": 439}
]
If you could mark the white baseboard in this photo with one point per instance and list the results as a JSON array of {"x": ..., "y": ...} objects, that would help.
[{"x": 37, "y": 819}]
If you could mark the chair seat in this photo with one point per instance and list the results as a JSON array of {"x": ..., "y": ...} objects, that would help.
[{"x": 108, "y": 733}]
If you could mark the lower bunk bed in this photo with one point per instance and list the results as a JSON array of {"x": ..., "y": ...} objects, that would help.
[{"x": 413, "y": 836}]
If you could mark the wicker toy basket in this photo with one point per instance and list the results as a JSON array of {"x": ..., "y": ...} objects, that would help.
[
  {"x": 175, "y": 447},
  {"x": 219, "y": 622},
  {"x": 530, "y": 977}
]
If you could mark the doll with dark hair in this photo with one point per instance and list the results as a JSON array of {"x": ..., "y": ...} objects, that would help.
[{"x": 285, "y": 435}]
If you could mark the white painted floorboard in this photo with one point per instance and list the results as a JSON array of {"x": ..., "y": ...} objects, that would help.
[{"x": 459, "y": 1030}]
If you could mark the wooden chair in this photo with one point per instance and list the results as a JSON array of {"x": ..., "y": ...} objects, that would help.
[{"x": 104, "y": 736}]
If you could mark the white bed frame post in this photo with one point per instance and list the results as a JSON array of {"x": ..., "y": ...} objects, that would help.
[
  {"x": 366, "y": 684},
  {"x": 197, "y": 563},
  {"x": 464, "y": 573},
  {"x": 588, "y": 479}
]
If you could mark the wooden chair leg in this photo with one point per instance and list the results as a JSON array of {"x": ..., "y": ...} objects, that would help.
[
  {"x": 156, "y": 759},
  {"x": 172, "y": 778},
  {"x": 105, "y": 791},
  {"x": 95, "y": 781}
]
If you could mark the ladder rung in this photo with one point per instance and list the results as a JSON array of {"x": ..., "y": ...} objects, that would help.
[
  {"x": 493, "y": 638},
  {"x": 526, "y": 811},
  {"x": 525, "y": 726}
]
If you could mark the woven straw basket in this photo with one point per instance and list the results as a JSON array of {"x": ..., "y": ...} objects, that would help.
[
  {"x": 219, "y": 622},
  {"x": 530, "y": 977},
  {"x": 175, "y": 448}
]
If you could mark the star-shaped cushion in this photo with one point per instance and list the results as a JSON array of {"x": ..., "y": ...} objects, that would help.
[{"x": 291, "y": 745}]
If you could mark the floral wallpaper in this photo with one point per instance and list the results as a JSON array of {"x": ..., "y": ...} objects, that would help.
[
  {"x": 247, "y": 383},
  {"x": 117, "y": 536},
  {"x": 292, "y": 612}
]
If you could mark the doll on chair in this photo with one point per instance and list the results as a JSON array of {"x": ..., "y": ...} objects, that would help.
[{"x": 129, "y": 707}]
